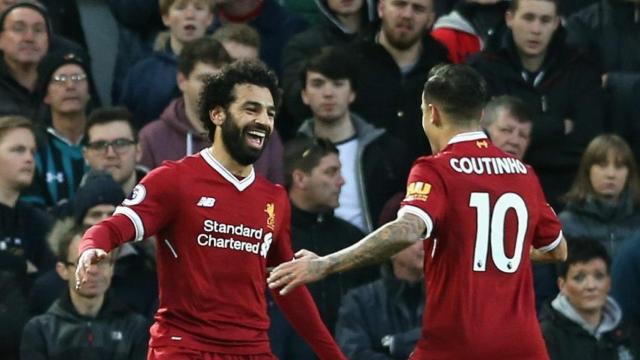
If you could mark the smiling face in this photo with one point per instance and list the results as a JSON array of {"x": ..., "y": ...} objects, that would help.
[
  {"x": 68, "y": 90},
  {"x": 188, "y": 20},
  {"x": 17, "y": 149},
  {"x": 24, "y": 39},
  {"x": 533, "y": 24},
  {"x": 404, "y": 22},
  {"x": 247, "y": 123}
]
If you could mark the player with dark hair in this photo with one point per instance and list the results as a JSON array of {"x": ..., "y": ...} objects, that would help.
[
  {"x": 482, "y": 215},
  {"x": 219, "y": 226}
]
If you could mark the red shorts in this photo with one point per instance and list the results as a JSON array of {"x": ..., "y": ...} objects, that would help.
[{"x": 178, "y": 353}]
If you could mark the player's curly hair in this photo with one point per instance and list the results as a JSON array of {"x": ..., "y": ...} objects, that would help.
[{"x": 219, "y": 90}]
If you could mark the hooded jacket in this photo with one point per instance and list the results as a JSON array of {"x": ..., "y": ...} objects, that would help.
[
  {"x": 382, "y": 166},
  {"x": 329, "y": 31},
  {"x": 569, "y": 337},
  {"x": 115, "y": 333},
  {"x": 608, "y": 223}
]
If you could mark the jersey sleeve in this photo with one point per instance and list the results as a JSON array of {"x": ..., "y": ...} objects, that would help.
[
  {"x": 143, "y": 214},
  {"x": 548, "y": 230},
  {"x": 425, "y": 196}
]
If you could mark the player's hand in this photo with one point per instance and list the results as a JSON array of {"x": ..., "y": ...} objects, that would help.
[
  {"x": 87, "y": 258},
  {"x": 305, "y": 268}
]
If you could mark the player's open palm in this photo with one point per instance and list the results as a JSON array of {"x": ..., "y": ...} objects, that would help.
[
  {"x": 306, "y": 267},
  {"x": 87, "y": 258}
]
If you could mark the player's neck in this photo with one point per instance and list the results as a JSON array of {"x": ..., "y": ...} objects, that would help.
[
  {"x": 448, "y": 132},
  {"x": 221, "y": 154},
  {"x": 87, "y": 306}
]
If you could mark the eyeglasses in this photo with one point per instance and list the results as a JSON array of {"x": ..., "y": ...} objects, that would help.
[
  {"x": 63, "y": 78},
  {"x": 120, "y": 146}
]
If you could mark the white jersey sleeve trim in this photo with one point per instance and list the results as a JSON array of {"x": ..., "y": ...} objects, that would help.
[
  {"x": 551, "y": 246},
  {"x": 414, "y": 210},
  {"x": 135, "y": 219}
]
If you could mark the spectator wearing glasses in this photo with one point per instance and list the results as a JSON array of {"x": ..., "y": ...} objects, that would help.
[
  {"x": 85, "y": 323},
  {"x": 112, "y": 146},
  {"x": 64, "y": 82}
]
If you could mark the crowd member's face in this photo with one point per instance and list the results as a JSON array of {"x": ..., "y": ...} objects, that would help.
[
  {"x": 97, "y": 213},
  {"x": 533, "y": 25},
  {"x": 98, "y": 277},
  {"x": 586, "y": 285},
  {"x": 609, "y": 178},
  {"x": 248, "y": 123},
  {"x": 404, "y": 22},
  {"x": 328, "y": 99},
  {"x": 411, "y": 259},
  {"x": 188, "y": 20},
  {"x": 68, "y": 90},
  {"x": 345, "y": 7},
  {"x": 192, "y": 85},
  {"x": 24, "y": 39},
  {"x": 111, "y": 147},
  {"x": 322, "y": 186},
  {"x": 510, "y": 135},
  {"x": 17, "y": 149}
]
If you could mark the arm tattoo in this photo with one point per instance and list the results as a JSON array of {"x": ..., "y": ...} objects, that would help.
[{"x": 379, "y": 245}]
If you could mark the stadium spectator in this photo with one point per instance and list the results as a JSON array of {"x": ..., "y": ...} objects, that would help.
[
  {"x": 240, "y": 40},
  {"x": 508, "y": 122}
]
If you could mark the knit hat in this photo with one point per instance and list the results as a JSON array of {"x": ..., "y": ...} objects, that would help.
[
  {"x": 52, "y": 62},
  {"x": 97, "y": 188},
  {"x": 31, "y": 5}
]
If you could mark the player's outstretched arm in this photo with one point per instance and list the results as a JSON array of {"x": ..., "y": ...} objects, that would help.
[
  {"x": 558, "y": 254},
  {"x": 374, "y": 248}
]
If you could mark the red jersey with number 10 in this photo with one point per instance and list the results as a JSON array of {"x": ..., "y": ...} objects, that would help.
[{"x": 483, "y": 209}]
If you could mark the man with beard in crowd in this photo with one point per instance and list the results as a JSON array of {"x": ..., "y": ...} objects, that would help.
[{"x": 219, "y": 226}]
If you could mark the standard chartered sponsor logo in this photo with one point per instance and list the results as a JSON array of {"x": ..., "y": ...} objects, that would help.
[{"x": 215, "y": 237}]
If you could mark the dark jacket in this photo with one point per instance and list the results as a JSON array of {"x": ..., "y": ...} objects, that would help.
[
  {"x": 328, "y": 31},
  {"x": 625, "y": 282},
  {"x": 610, "y": 224},
  {"x": 115, "y": 333},
  {"x": 15, "y": 99},
  {"x": 390, "y": 100},
  {"x": 383, "y": 166},
  {"x": 324, "y": 234},
  {"x": 385, "y": 307},
  {"x": 610, "y": 32},
  {"x": 567, "y": 87},
  {"x": 567, "y": 337},
  {"x": 150, "y": 86}
]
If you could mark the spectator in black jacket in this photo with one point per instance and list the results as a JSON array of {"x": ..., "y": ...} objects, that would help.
[
  {"x": 23, "y": 251},
  {"x": 86, "y": 323},
  {"x": 381, "y": 320},
  {"x": 532, "y": 62},
  {"x": 583, "y": 322}
]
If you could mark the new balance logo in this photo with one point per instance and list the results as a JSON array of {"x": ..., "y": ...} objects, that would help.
[{"x": 206, "y": 202}]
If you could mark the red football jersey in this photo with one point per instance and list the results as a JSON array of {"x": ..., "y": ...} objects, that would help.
[
  {"x": 216, "y": 236},
  {"x": 483, "y": 210}
]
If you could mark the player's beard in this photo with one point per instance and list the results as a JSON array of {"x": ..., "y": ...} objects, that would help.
[{"x": 234, "y": 140}]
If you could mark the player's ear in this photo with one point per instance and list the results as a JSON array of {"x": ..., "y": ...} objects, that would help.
[
  {"x": 436, "y": 118},
  {"x": 217, "y": 115}
]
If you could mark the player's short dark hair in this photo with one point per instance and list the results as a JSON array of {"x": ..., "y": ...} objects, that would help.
[
  {"x": 109, "y": 114},
  {"x": 204, "y": 50},
  {"x": 305, "y": 154},
  {"x": 239, "y": 33},
  {"x": 515, "y": 106},
  {"x": 331, "y": 62},
  {"x": 514, "y": 4},
  {"x": 459, "y": 90},
  {"x": 219, "y": 90},
  {"x": 581, "y": 251}
]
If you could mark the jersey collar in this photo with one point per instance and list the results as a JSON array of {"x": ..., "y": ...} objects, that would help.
[
  {"x": 239, "y": 184},
  {"x": 468, "y": 136}
]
